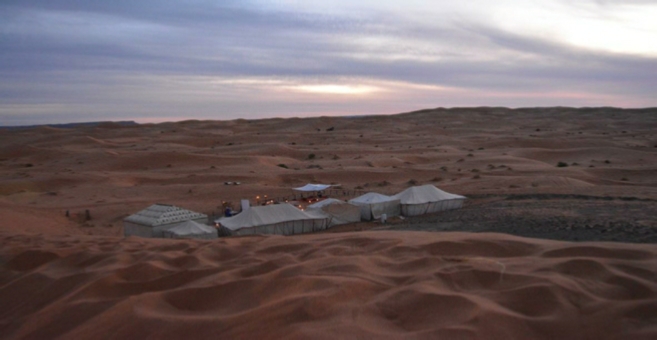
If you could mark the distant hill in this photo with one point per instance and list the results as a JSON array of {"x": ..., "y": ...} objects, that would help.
[{"x": 72, "y": 125}]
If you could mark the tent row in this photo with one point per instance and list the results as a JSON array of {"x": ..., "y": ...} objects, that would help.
[
  {"x": 285, "y": 219},
  {"x": 161, "y": 220}
]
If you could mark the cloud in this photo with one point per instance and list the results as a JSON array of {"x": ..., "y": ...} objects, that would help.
[{"x": 147, "y": 59}]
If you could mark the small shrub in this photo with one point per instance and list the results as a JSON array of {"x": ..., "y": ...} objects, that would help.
[
  {"x": 283, "y": 166},
  {"x": 562, "y": 164},
  {"x": 624, "y": 179},
  {"x": 607, "y": 162},
  {"x": 311, "y": 156},
  {"x": 470, "y": 155},
  {"x": 412, "y": 182},
  {"x": 476, "y": 176}
]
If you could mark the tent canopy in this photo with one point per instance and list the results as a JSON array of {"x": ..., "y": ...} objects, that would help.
[
  {"x": 424, "y": 194},
  {"x": 371, "y": 198},
  {"x": 160, "y": 214},
  {"x": 191, "y": 228},
  {"x": 313, "y": 187},
  {"x": 373, "y": 205},
  {"x": 267, "y": 215},
  {"x": 326, "y": 202}
]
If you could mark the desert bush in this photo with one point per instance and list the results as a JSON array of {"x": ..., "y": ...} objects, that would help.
[
  {"x": 311, "y": 156},
  {"x": 562, "y": 164},
  {"x": 283, "y": 166}
]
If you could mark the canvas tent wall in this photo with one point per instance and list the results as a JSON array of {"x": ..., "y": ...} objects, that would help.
[
  {"x": 152, "y": 221},
  {"x": 280, "y": 219},
  {"x": 373, "y": 205},
  {"x": 340, "y": 212},
  {"x": 427, "y": 199},
  {"x": 191, "y": 229}
]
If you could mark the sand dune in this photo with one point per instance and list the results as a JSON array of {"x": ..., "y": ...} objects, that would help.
[
  {"x": 70, "y": 277},
  {"x": 368, "y": 285}
]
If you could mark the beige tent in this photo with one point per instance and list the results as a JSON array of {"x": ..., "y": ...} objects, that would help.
[
  {"x": 373, "y": 205},
  {"x": 281, "y": 219},
  {"x": 152, "y": 221},
  {"x": 340, "y": 212},
  {"x": 191, "y": 229},
  {"x": 427, "y": 199}
]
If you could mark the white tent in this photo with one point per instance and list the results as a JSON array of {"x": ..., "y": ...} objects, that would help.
[
  {"x": 427, "y": 199},
  {"x": 339, "y": 211},
  {"x": 313, "y": 187},
  {"x": 281, "y": 219},
  {"x": 152, "y": 221},
  {"x": 191, "y": 229},
  {"x": 373, "y": 205}
]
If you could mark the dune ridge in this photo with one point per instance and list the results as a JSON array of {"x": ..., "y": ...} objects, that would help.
[{"x": 386, "y": 285}]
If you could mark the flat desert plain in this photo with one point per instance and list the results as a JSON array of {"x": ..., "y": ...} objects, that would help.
[{"x": 556, "y": 239}]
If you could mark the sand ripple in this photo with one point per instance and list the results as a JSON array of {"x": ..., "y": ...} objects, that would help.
[{"x": 367, "y": 285}]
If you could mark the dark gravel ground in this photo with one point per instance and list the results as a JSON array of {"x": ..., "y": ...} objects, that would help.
[{"x": 556, "y": 217}]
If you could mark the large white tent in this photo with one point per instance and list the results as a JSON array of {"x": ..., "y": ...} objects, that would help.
[
  {"x": 313, "y": 187},
  {"x": 339, "y": 211},
  {"x": 152, "y": 221},
  {"x": 281, "y": 219},
  {"x": 373, "y": 205},
  {"x": 426, "y": 199},
  {"x": 191, "y": 229}
]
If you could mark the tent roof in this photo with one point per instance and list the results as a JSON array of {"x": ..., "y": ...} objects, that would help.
[
  {"x": 161, "y": 214},
  {"x": 266, "y": 215},
  {"x": 326, "y": 202},
  {"x": 424, "y": 194},
  {"x": 372, "y": 197},
  {"x": 192, "y": 228},
  {"x": 313, "y": 187}
]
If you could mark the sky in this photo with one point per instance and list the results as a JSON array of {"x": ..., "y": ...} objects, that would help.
[{"x": 151, "y": 61}]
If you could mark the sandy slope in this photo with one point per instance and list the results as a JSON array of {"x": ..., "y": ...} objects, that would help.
[
  {"x": 57, "y": 281},
  {"x": 116, "y": 170},
  {"x": 361, "y": 285}
]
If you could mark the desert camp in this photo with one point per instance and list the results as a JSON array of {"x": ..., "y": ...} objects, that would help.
[
  {"x": 557, "y": 229},
  {"x": 321, "y": 213}
]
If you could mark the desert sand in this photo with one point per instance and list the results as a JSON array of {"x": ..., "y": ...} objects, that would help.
[{"x": 65, "y": 276}]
